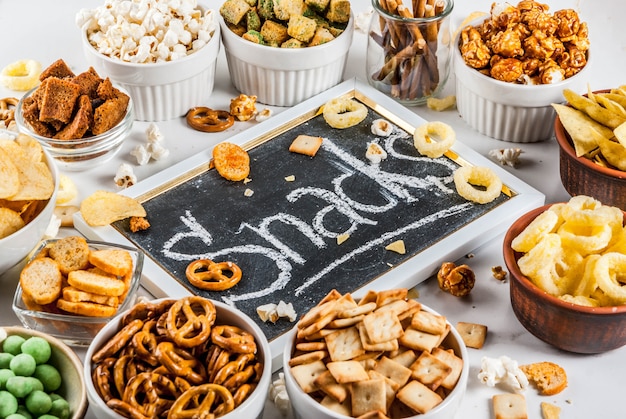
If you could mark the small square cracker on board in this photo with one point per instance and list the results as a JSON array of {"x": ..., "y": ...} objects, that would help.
[{"x": 306, "y": 144}]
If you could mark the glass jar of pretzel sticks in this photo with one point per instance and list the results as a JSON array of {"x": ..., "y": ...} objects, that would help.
[{"x": 409, "y": 48}]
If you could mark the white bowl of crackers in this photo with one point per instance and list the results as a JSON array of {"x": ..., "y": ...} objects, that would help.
[
  {"x": 169, "y": 69},
  {"x": 506, "y": 94},
  {"x": 284, "y": 64},
  {"x": 213, "y": 352},
  {"x": 81, "y": 119},
  {"x": 386, "y": 353},
  {"x": 27, "y": 196},
  {"x": 71, "y": 287}
]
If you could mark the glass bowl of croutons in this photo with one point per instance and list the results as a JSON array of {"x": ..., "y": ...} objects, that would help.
[
  {"x": 281, "y": 63},
  {"x": 71, "y": 287},
  {"x": 81, "y": 119}
]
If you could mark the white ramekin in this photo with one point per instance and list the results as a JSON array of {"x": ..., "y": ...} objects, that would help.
[{"x": 285, "y": 76}]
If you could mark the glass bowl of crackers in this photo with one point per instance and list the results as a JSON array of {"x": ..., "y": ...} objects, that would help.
[
  {"x": 71, "y": 287},
  {"x": 385, "y": 353},
  {"x": 567, "y": 263},
  {"x": 591, "y": 135},
  {"x": 28, "y": 196},
  {"x": 283, "y": 65},
  {"x": 225, "y": 360},
  {"x": 81, "y": 119}
]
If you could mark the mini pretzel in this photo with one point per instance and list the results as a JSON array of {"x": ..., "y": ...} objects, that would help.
[
  {"x": 209, "y": 275},
  {"x": 125, "y": 409},
  {"x": 180, "y": 362},
  {"x": 101, "y": 378},
  {"x": 7, "y": 109},
  {"x": 144, "y": 344},
  {"x": 147, "y": 310},
  {"x": 189, "y": 321},
  {"x": 118, "y": 341},
  {"x": 208, "y": 120},
  {"x": 233, "y": 339},
  {"x": 150, "y": 393},
  {"x": 214, "y": 398}
]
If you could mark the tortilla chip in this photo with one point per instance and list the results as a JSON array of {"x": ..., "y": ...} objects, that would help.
[{"x": 579, "y": 127}]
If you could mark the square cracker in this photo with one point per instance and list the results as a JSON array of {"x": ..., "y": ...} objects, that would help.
[
  {"x": 418, "y": 397},
  {"x": 473, "y": 334},
  {"x": 428, "y": 322},
  {"x": 393, "y": 370},
  {"x": 454, "y": 362},
  {"x": 368, "y": 345},
  {"x": 418, "y": 340},
  {"x": 327, "y": 383},
  {"x": 382, "y": 326},
  {"x": 367, "y": 396},
  {"x": 344, "y": 344},
  {"x": 509, "y": 406},
  {"x": 306, "y": 144},
  {"x": 343, "y": 408},
  {"x": 306, "y": 374},
  {"x": 347, "y": 371},
  {"x": 429, "y": 370}
]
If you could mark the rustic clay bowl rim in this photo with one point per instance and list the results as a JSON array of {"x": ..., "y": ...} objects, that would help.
[
  {"x": 511, "y": 257},
  {"x": 565, "y": 142}
]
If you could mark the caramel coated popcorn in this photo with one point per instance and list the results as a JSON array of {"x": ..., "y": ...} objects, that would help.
[{"x": 527, "y": 45}]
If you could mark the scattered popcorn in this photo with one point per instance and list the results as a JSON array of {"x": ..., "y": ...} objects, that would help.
[
  {"x": 147, "y": 31},
  {"x": 125, "y": 177},
  {"x": 502, "y": 370},
  {"x": 141, "y": 153},
  {"x": 263, "y": 115},
  {"x": 278, "y": 394},
  {"x": 153, "y": 133},
  {"x": 272, "y": 312},
  {"x": 362, "y": 20},
  {"x": 248, "y": 192},
  {"x": 382, "y": 128},
  {"x": 375, "y": 153},
  {"x": 506, "y": 156},
  {"x": 53, "y": 228},
  {"x": 157, "y": 151},
  {"x": 286, "y": 310}
]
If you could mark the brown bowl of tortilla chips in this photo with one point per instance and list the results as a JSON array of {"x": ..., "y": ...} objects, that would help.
[{"x": 591, "y": 132}]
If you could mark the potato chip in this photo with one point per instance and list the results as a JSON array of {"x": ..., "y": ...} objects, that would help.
[
  {"x": 593, "y": 109},
  {"x": 103, "y": 208},
  {"x": 10, "y": 184},
  {"x": 34, "y": 176},
  {"x": 10, "y": 222}
]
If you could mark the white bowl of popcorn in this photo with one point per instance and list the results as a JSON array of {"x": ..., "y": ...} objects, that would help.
[
  {"x": 285, "y": 76},
  {"x": 512, "y": 111},
  {"x": 341, "y": 378},
  {"x": 166, "y": 61}
]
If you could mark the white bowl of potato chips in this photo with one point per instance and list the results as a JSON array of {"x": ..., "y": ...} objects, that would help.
[
  {"x": 568, "y": 263},
  {"x": 374, "y": 355},
  {"x": 27, "y": 197}
]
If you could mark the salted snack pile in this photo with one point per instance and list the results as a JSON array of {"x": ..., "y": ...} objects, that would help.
[
  {"x": 383, "y": 353},
  {"x": 597, "y": 125},
  {"x": 175, "y": 359},
  {"x": 29, "y": 381},
  {"x": 67, "y": 106},
  {"x": 26, "y": 183},
  {"x": 576, "y": 251},
  {"x": 287, "y": 23},
  {"x": 147, "y": 31},
  {"x": 526, "y": 44},
  {"x": 69, "y": 276}
]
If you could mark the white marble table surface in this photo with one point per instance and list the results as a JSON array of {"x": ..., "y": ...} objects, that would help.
[{"x": 44, "y": 30}]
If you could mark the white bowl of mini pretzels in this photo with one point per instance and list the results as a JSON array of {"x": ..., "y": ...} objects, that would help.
[
  {"x": 284, "y": 64},
  {"x": 164, "y": 55},
  {"x": 384, "y": 353},
  {"x": 506, "y": 81},
  {"x": 176, "y": 358}
]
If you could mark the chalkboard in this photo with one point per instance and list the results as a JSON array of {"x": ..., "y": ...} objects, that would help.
[{"x": 284, "y": 235}]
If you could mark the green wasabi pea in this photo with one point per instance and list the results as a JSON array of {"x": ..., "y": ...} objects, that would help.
[
  {"x": 23, "y": 364},
  {"x": 5, "y": 374},
  {"x": 8, "y": 404},
  {"x": 49, "y": 377},
  {"x": 22, "y": 410},
  {"x": 16, "y": 416},
  {"x": 19, "y": 386},
  {"x": 38, "y": 348},
  {"x": 5, "y": 359},
  {"x": 60, "y": 408},
  {"x": 38, "y": 402},
  {"x": 13, "y": 344}
]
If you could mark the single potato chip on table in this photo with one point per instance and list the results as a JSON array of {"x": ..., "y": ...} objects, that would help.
[{"x": 103, "y": 208}]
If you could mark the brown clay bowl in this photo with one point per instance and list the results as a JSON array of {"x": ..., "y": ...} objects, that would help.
[
  {"x": 581, "y": 176},
  {"x": 567, "y": 326}
]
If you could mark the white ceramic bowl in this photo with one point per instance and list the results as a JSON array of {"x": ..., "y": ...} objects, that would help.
[
  {"x": 285, "y": 76},
  {"x": 251, "y": 408},
  {"x": 14, "y": 248},
  {"x": 305, "y": 407},
  {"x": 506, "y": 111},
  {"x": 69, "y": 366},
  {"x": 161, "y": 91}
]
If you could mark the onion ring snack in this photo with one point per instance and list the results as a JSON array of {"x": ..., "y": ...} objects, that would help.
[
  {"x": 465, "y": 177},
  {"x": 21, "y": 75},
  {"x": 208, "y": 275},
  {"x": 208, "y": 120},
  {"x": 343, "y": 112},
  {"x": 433, "y": 139}
]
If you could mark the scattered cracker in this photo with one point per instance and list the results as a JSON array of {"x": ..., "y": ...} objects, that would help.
[
  {"x": 306, "y": 144},
  {"x": 397, "y": 246},
  {"x": 473, "y": 334},
  {"x": 548, "y": 377},
  {"x": 509, "y": 406},
  {"x": 550, "y": 411}
]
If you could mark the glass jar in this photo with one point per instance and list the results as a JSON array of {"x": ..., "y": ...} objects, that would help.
[{"x": 408, "y": 57}]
